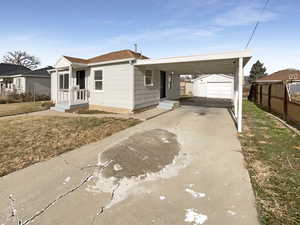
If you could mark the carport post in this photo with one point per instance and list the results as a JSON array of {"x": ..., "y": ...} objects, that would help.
[
  {"x": 240, "y": 94},
  {"x": 235, "y": 97}
]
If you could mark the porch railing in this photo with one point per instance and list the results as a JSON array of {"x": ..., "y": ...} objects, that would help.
[
  {"x": 74, "y": 96},
  {"x": 79, "y": 96}
]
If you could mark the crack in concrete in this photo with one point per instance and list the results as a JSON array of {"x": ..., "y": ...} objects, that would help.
[
  {"x": 39, "y": 213},
  {"x": 13, "y": 210},
  {"x": 102, "y": 208}
]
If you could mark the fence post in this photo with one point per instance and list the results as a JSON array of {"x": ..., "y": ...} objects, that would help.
[
  {"x": 269, "y": 96},
  {"x": 285, "y": 106}
]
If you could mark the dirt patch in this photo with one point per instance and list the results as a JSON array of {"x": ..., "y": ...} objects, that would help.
[{"x": 142, "y": 153}]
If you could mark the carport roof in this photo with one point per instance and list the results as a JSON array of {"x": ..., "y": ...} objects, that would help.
[{"x": 217, "y": 63}]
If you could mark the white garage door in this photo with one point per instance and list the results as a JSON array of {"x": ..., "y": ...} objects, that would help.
[{"x": 219, "y": 89}]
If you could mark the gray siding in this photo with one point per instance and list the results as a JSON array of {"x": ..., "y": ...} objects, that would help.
[
  {"x": 38, "y": 85},
  {"x": 174, "y": 92},
  {"x": 117, "y": 86},
  {"x": 144, "y": 95}
]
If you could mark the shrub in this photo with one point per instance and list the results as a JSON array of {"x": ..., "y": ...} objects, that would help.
[{"x": 23, "y": 97}]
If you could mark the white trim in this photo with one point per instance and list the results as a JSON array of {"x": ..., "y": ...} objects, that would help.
[
  {"x": 110, "y": 62},
  {"x": 94, "y": 81},
  {"x": 240, "y": 95},
  {"x": 195, "y": 58}
]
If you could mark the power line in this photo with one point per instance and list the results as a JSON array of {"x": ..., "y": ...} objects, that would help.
[{"x": 256, "y": 25}]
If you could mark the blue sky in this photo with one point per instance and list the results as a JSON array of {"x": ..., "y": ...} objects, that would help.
[{"x": 161, "y": 28}]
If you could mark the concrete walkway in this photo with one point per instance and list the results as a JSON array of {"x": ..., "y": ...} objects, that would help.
[
  {"x": 201, "y": 178},
  {"x": 144, "y": 115}
]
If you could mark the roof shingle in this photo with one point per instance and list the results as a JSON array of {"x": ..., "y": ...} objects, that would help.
[
  {"x": 281, "y": 75},
  {"x": 8, "y": 68},
  {"x": 117, "y": 55}
]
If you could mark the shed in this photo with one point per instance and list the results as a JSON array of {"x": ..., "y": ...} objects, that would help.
[{"x": 214, "y": 86}]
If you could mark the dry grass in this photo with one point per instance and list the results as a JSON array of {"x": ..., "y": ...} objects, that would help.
[
  {"x": 24, "y": 107},
  {"x": 273, "y": 160},
  {"x": 27, "y": 140}
]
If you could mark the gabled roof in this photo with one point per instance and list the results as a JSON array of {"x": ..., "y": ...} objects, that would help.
[
  {"x": 29, "y": 73},
  {"x": 281, "y": 75},
  {"x": 117, "y": 55},
  {"x": 38, "y": 72},
  {"x": 8, "y": 68}
]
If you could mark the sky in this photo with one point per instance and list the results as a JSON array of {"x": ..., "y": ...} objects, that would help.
[{"x": 161, "y": 28}]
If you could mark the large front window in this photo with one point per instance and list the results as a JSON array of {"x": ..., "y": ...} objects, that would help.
[
  {"x": 98, "y": 79},
  {"x": 64, "y": 81}
]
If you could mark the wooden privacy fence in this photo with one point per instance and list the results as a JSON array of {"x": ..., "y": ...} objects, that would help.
[{"x": 276, "y": 97}]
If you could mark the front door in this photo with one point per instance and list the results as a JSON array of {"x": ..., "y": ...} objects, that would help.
[
  {"x": 162, "y": 84},
  {"x": 80, "y": 79}
]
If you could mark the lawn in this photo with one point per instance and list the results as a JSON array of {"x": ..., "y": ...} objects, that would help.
[
  {"x": 27, "y": 140},
  {"x": 24, "y": 107},
  {"x": 272, "y": 153}
]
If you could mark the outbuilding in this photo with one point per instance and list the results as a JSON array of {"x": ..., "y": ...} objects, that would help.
[{"x": 214, "y": 86}]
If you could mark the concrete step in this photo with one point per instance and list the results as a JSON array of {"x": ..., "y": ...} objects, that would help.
[
  {"x": 168, "y": 104},
  {"x": 60, "y": 108}
]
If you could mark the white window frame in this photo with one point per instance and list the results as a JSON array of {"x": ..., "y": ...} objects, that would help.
[
  {"x": 18, "y": 83},
  {"x": 152, "y": 78},
  {"x": 98, "y": 90},
  {"x": 63, "y": 80}
]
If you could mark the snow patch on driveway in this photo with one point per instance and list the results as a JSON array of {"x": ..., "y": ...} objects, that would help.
[
  {"x": 194, "y": 193},
  {"x": 192, "y": 216}
]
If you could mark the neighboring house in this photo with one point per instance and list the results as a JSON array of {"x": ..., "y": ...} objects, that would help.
[
  {"x": 289, "y": 76},
  {"x": 23, "y": 80},
  {"x": 110, "y": 82},
  {"x": 282, "y": 75},
  {"x": 214, "y": 86}
]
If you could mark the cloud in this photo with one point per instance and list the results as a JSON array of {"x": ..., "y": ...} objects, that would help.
[
  {"x": 243, "y": 15},
  {"x": 167, "y": 34}
]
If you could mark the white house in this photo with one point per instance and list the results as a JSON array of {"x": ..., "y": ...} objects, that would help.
[
  {"x": 126, "y": 81},
  {"x": 110, "y": 82},
  {"x": 26, "y": 81},
  {"x": 214, "y": 86}
]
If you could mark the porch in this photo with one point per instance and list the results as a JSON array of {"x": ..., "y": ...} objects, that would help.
[{"x": 71, "y": 89}]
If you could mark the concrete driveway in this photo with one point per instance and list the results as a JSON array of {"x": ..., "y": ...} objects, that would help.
[{"x": 183, "y": 167}]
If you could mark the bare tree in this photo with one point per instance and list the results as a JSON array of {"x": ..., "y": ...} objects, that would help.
[{"x": 21, "y": 58}]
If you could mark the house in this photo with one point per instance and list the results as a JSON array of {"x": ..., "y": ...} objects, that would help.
[
  {"x": 7, "y": 68},
  {"x": 19, "y": 79},
  {"x": 126, "y": 81},
  {"x": 110, "y": 82},
  {"x": 214, "y": 86},
  {"x": 282, "y": 75}
]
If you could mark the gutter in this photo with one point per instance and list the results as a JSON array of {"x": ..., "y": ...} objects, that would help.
[{"x": 130, "y": 60}]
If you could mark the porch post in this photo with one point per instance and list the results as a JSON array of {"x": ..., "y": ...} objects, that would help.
[
  {"x": 57, "y": 86},
  {"x": 70, "y": 85},
  {"x": 240, "y": 94}
]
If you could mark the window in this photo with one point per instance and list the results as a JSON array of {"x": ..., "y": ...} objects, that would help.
[
  {"x": 64, "y": 81},
  {"x": 148, "y": 78},
  {"x": 18, "y": 83},
  {"x": 170, "y": 81},
  {"x": 98, "y": 78}
]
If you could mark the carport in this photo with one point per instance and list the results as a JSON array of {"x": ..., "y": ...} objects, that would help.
[{"x": 228, "y": 63}]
